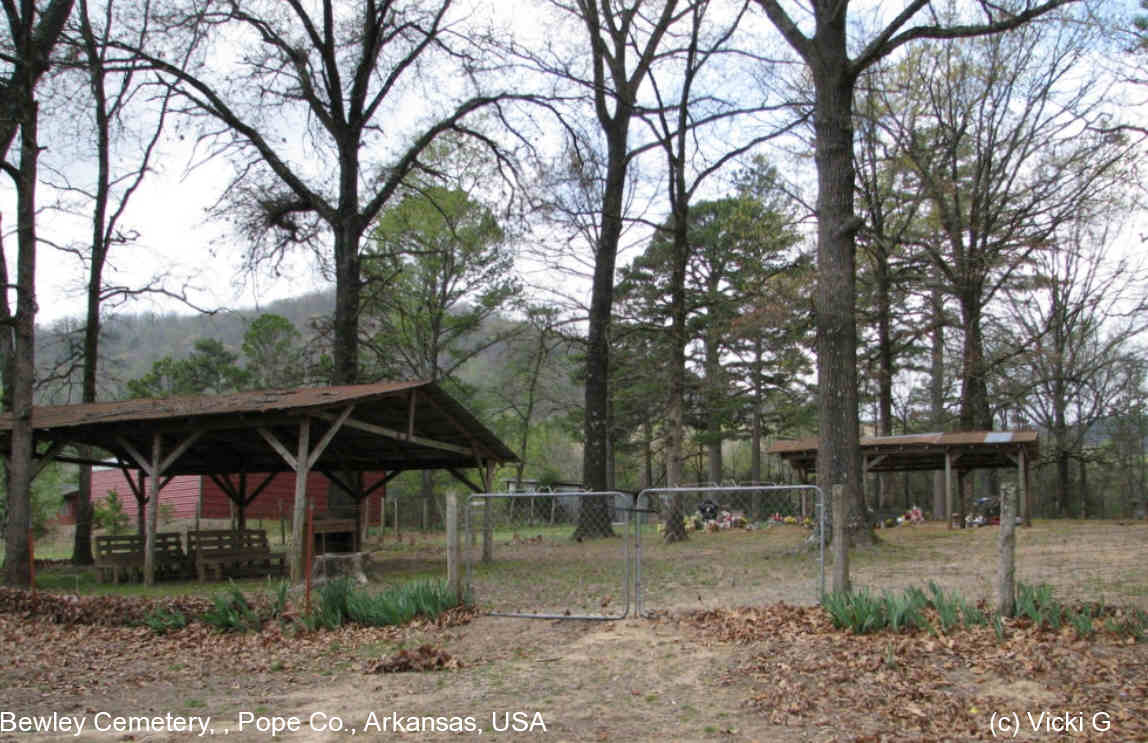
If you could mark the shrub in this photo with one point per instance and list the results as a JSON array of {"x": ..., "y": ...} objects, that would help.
[{"x": 109, "y": 514}]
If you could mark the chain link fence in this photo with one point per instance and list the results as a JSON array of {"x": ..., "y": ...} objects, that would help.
[
  {"x": 738, "y": 545},
  {"x": 550, "y": 555},
  {"x": 608, "y": 555},
  {"x": 1083, "y": 561}
]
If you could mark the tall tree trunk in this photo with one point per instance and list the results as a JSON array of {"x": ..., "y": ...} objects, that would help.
[
  {"x": 937, "y": 389},
  {"x": 17, "y": 554},
  {"x": 348, "y": 289},
  {"x": 755, "y": 430},
  {"x": 885, "y": 370},
  {"x": 1082, "y": 463},
  {"x": 675, "y": 518},
  {"x": 593, "y": 518},
  {"x": 715, "y": 389},
  {"x": 838, "y": 451},
  {"x": 82, "y": 541}
]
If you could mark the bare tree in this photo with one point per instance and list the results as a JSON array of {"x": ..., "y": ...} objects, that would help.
[
  {"x": 1083, "y": 316},
  {"x": 620, "y": 42},
  {"x": 25, "y": 54},
  {"x": 119, "y": 103},
  {"x": 334, "y": 81},
  {"x": 825, "y": 51}
]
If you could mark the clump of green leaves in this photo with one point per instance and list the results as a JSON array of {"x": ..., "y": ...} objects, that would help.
[
  {"x": 232, "y": 612},
  {"x": 1081, "y": 621},
  {"x": 340, "y": 602},
  {"x": 859, "y": 611},
  {"x": 164, "y": 620},
  {"x": 904, "y": 612},
  {"x": 948, "y": 607},
  {"x": 1038, "y": 605},
  {"x": 1129, "y": 623}
]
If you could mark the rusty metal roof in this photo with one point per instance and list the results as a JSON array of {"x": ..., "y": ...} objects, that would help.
[
  {"x": 922, "y": 451},
  {"x": 397, "y": 426}
]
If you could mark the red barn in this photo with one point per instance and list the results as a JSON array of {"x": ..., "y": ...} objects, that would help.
[{"x": 187, "y": 494}]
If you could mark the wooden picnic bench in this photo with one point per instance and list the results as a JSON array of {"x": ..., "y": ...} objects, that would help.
[
  {"x": 227, "y": 553},
  {"x": 123, "y": 554}
]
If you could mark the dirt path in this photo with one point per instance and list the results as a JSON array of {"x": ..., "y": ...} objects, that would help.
[{"x": 631, "y": 680}]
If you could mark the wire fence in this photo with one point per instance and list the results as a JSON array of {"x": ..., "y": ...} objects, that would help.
[
  {"x": 1091, "y": 561},
  {"x": 741, "y": 544},
  {"x": 606, "y": 555},
  {"x": 550, "y": 555}
]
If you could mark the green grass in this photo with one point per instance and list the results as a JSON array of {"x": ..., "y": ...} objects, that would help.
[{"x": 86, "y": 581}]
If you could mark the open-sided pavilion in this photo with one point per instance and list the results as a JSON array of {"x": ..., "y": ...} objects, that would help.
[
  {"x": 959, "y": 452},
  {"x": 338, "y": 431}
]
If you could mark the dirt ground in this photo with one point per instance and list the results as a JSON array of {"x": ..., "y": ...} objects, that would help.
[
  {"x": 776, "y": 674},
  {"x": 697, "y": 670}
]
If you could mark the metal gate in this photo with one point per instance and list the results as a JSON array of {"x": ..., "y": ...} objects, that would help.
[
  {"x": 745, "y": 544},
  {"x": 551, "y": 555},
  {"x": 601, "y": 555}
]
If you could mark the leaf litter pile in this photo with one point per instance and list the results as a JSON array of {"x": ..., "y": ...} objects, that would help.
[
  {"x": 802, "y": 672},
  {"x": 425, "y": 658}
]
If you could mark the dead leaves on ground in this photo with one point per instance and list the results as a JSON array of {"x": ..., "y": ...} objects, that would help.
[
  {"x": 108, "y": 611},
  {"x": 425, "y": 658},
  {"x": 804, "y": 672}
]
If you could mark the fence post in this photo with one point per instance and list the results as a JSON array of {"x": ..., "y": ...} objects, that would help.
[
  {"x": 1006, "y": 567},
  {"x": 487, "y": 531},
  {"x": 453, "y": 573},
  {"x": 840, "y": 540}
]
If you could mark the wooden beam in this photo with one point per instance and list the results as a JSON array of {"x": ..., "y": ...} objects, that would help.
[
  {"x": 461, "y": 428},
  {"x": 259, "y": 488},
  {"x": 224, "y": 483},
  {"x": 391, "y": 433},
  {"x": 179, "y": 451},
  {"x": 464, "y": 480},
  {"x": 277, "y": 445},
  {"x": 375, "y": 486},
  {"x": 337, "y": 481},
  {"x": 141, "y": 461},
  {"x": 334, "y": 429},
  {"x": 46, "y": 457}
]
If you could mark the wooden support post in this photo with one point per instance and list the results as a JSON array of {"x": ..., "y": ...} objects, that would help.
[
  {"x": 310, "y": 552},
  {"x": 1006, "y": 565},
  {"x": 840, "y": 540},
  {"x": 153, "y": 508},
  {"x": 453, "y": 551},
  {"x": 396, "y": 524},
  {"x": 299, "y": 516},
  {"x": 486, "y": 471}
]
